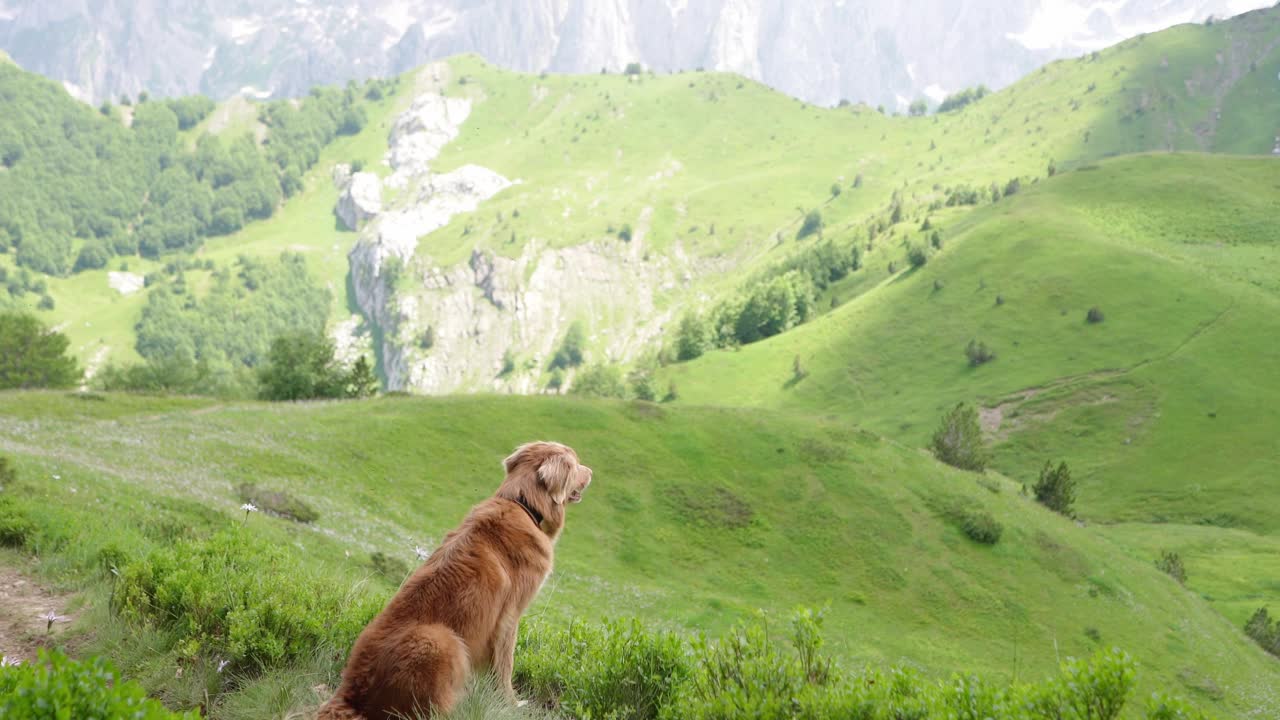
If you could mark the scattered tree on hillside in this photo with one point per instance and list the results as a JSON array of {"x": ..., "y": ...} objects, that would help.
[
  {"x": 599, "y": 381},
  {"x": 301, "y": 366},
  {"x": 977, "y": 351},
  {"x": 1012, "y": 187},
  {"x": 691, "y": 337},
  {"x": 1263, "y": 631},
  {"x": 571, "y": 348},
  {"x": 958, "y": 440},
  {"x": 634, "y": 68},
  {"x": 917, "y": 256},
  {"x": 362, "y": 381},
  {"x": 857, "y": 181},
  {"x": 835, "y": 190},
  {"x": 1055, "y": 489},
  {"x": 1094, "y": 315},
  {"x": 1171, "y": 564},
  {"x": 812, "y": 224},
  {"x": 935, "y": 240},
  {"x": 32, "y": 356},
  {"x": 918, "y": 108},
  {"x": 642, "y": 385},
  {"x": 798, "y": 372},
  {"x": 955, "y": 101}
]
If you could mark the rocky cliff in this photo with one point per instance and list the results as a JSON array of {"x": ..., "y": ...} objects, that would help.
[
  {"x": 876, "y": 51},
  {"x": 444, "y": 328}
]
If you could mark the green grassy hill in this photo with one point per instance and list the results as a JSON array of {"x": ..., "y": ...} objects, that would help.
[
  {"x": 1180, "y": 255},
  {"x": 697, "y": 517}
]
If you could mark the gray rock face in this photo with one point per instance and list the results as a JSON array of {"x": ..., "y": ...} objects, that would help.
[
  {"x": 447, "y": 327},
  {"x": 876, "y": 51},
  {"x": 360, "y": 200}
]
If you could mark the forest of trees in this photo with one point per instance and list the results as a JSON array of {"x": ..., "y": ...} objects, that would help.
[
  {"x": 77, "y": 186},
  {"x": 778, "y": 299},
  {"x": 216, "y": 344}
]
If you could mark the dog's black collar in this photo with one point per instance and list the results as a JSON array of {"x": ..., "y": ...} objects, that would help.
[{"x": 533, "y": 514}]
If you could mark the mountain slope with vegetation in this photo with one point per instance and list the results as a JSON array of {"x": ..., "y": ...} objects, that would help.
[{"x": 698, "y": 516}]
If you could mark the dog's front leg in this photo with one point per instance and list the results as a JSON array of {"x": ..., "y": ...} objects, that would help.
[{"x": 504, "y": 654}]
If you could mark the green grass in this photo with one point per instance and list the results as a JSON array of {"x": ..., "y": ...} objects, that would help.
[
  {"x": 1180, "y": 254},
  {"x": 698, "y": 516}
]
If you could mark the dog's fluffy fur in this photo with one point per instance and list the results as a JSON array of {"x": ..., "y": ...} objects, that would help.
[{"x": 461, "y": 609}]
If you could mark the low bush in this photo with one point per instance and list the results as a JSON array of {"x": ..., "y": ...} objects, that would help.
[
  {"x": 56, "y": 687},
  {"x": 210, "y": 594},
  {"x": 1171, "y": 564},
  {"x": 980, "y": 526},
  {"x": 618, "y": 669},
  {"x": 977, "y": 352},
  {"x": 1263, "y": 631},
  {"x": 1094, "y": 316},
  {"x": 16, "y": 529},
  {"x": 1055, "y": 489},
  {"x": 278, "y": 503}
]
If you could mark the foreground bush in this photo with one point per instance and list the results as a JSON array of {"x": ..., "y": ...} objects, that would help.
[
  {"x": 56, "y": 687},
  {"x": 211, "y": 594},
  {"x": 621, "y": 670}
]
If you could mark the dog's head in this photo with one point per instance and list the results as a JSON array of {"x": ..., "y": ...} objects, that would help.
[{"x": 553, "y": 467}]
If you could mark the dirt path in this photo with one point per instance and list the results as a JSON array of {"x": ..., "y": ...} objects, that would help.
[{"x": 23, "y": 607}]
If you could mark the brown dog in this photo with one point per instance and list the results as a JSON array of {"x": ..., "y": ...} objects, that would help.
[{"x": 461, "y": 609}]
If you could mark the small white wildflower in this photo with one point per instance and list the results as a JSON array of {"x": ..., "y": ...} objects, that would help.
[
  {"x": 422, "y": 554},
  {"x": 52, "y": 617},
  {"x": 222, "y": 664},
  {"x": 6, "y": 661},
  {"x": 57, "y": 476},
  {"x": 249, "y": 507}
]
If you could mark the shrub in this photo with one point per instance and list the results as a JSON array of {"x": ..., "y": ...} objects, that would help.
[
  {"x": 1171, "y": 564},
  {"x": 978, "y": 353},
  {"x": 46, "y": 302},
  {"x": 673, "y": 393},
  {"x": 835, "y": 190},
  {"x": 278, "y": 503},
  {"x": 625, "y": 233},
  {"x": 1094, "y": 315},
  {"x": 917, "y": 256},
  {"x": 508, "y": 362},
  {"x": 32, "y": 356},
  {"x": 301, "y": 366},
  {"x": 642, "y": 385},
  {"x": 812, "y": 223},
  {"x": 981, "y": 526},
  {"x": 391, "y": 568},
  {"x": 571, "y": 348},
  {"x": 1055, "y": 489},
  {"x": 691, "y": 337},
  {"x": 16, "y": 529},
  {"x": 958, "y": 441},
  {"x": 798, "y": 372},
  {"x": 935, "y": 240},
  {"x": 56, "y": 686},
  {"x": 210, "y": 594},
  {"x": 1264, "y": 631},
  {"x": 599, "y": 381},
  {"x": 619, "y": 669}
]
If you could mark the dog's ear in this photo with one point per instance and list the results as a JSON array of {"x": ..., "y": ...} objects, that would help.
[
  {"x": 555, "y": 473},
  {"x": 514, "y": 458}
]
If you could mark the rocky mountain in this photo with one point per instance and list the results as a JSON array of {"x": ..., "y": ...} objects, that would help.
[{"x": 875, "y": 51}]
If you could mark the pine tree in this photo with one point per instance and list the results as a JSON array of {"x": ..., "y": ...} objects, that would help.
[
  {"x": 1055, "y": 489},
  {"x": 958, "y": 441}
]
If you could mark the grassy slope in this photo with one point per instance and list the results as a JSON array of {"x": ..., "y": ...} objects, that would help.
[
  {"x": 697, "y": 517},
  {"x": 681, "y": 155},
  {"x": 595, "y": 151},
  {"x": 1178, "y": 251}
]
